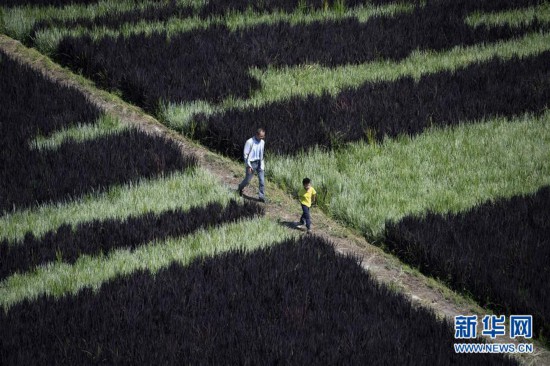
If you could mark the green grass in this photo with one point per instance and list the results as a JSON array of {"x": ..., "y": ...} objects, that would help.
[
  {"x": 59, "y": 278},
  {"x": 17, "y": 22},
  {"x": 178, "y": 190},
  {"x": 281, "y": 84},
  {"x": 513, "y": 18},
  {"x": 46, "y": 40},
  {"x": 104, "y": 126},
  {"x": 442, "y": 170}
]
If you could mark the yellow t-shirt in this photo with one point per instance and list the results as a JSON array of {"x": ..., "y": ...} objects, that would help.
[{"x": 305, "y": 196}]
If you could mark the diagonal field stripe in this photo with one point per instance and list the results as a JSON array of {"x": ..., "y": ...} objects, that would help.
[{"x": 61, "y": 278}]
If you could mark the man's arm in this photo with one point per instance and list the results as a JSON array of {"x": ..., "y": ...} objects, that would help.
[
  {"x": 262, "y": 165},
  {"x": 246, "y": 152}
]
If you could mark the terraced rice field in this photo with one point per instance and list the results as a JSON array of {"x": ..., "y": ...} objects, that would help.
[{"x": 424, "y": 127}]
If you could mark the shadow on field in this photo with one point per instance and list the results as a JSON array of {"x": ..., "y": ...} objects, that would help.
[
  {"x": 291, "y": 225},
  {"x": 251, "y": 198}
]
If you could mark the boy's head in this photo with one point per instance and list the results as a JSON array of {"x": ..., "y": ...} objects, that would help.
[{"x": 306, "y": 182}]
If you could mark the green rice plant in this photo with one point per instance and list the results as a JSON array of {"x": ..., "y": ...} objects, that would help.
[
  {"x": 340, "y": 7},
  {"x": 512, "y": 18},
  {"x": 325, "y": 5},
  {"x": 18, "y": 21},
  {"x": 178, "y": 190},
  {"x": 57, "y": 279},
  {"x": 282, "y": 83},
  {"x": 105, "y": 125},
  {"x": 442, "y": 170},
  {"x": 180, "y": 116},
  {"x": 279, "y": 84},
  {"x": 235, "y": 21},
  {"x": 15, "y": 24},
  {"x": 46, "y": 40},
  {"x": 302, "y": 7}
]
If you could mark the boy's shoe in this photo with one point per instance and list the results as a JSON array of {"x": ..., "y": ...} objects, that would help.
[
  {"x": 240, "y": 192},
  {"x": 300, "y": 223},
  {"x": 261, "y": 199},
  {"x": 308, "y": 231}
]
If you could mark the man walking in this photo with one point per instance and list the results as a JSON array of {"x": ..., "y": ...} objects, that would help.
[{"x": 254, "y": 161}]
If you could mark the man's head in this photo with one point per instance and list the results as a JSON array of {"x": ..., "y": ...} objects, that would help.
[
  {"x": 260, "y": 134},
  {"x": 306, "y": 182}
]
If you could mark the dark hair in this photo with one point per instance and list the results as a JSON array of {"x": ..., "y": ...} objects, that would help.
[{"x": 306, "y": 181}]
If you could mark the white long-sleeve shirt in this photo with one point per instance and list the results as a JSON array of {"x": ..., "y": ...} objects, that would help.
[{"x": 253, "y": 151}]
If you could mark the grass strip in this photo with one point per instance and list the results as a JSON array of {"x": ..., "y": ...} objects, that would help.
[
  {"x": 102, "y": 236},
  {"x": 105, "y": 125},
  {"x": 441, "y": 170},
  {"x": 512, "y": 18},
  {"x": 280, "y": 84},
  {"x": 46, "y": 40},
  {"x": 17, "y": 22},
  {"x": 179, "y": 190},
  {"x": 60, "y": 278}
]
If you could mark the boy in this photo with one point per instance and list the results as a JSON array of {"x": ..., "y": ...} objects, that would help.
[{"x": 307, "y": 196}]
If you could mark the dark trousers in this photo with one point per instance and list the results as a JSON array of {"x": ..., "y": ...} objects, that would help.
[{"x": 306, "y": 216}]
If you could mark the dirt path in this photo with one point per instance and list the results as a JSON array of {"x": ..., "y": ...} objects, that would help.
[{"x": 281, "y": 207}]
